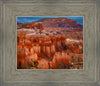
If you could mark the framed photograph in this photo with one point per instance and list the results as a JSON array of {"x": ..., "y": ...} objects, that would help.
[{"x": 50, "y": 43}]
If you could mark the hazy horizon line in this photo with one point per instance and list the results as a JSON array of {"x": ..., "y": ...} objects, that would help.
[{"x": 23, "y": 19}]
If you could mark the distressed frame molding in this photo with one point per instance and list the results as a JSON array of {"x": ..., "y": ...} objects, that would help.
[{"x": 88, "y": 76}]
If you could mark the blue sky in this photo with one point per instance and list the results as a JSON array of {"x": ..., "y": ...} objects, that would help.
[{"x": 31, "y": 19}]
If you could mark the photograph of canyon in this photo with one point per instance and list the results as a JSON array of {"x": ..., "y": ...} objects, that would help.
[{"x": 54, "y": 42}]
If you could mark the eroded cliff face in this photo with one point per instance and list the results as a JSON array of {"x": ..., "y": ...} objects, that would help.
[{"x": 46, "y": 52}]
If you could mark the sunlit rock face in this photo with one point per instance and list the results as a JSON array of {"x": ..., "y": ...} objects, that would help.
[
  {"x": 53, "y": 49},
  {"x": 21, "y": 55},
  {"x": 46, "y": 45},
  {"x": 48, "y": 52},
  {"x": 58, "y": 43},
  {"x": 40, "y": 47},
  {"x": 43, "y": 49},
  {"x": 35, "y": 49},
  {"x": 60, "y": 60},
  {"x": 43, "y": 64}
]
